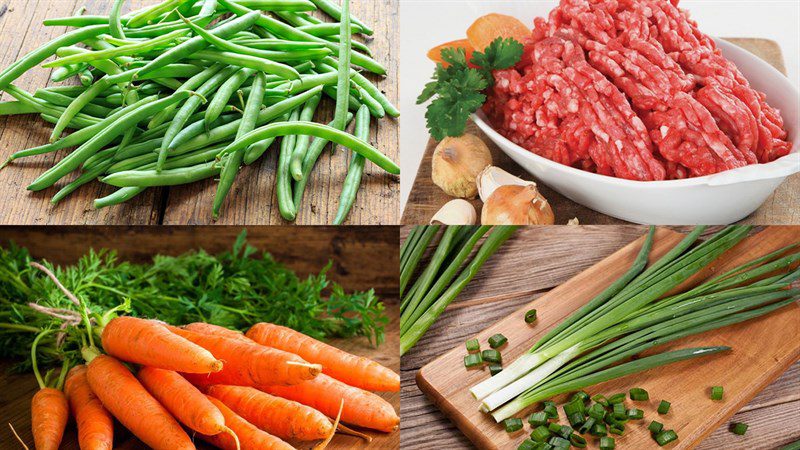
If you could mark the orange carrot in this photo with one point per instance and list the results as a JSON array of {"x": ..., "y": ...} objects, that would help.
[
  {"x": 491, "y": 26},
  {"x": 435, "y": 54},
  {"x": 49, "y": 415},
  {"x": 150, "y": 343},
  {"x": 184, "y": 401},
  {"x": 325, "y": 394},
  {"x": 95, "y": 424},
  {"x": 250, "y": 437},
  {"x": 248, "y": 364},
  {"x": 123, "y": 395},
  {"x": 351, "y": 369},
  {"x": 208, "y": 328},
  {"x": 277, "y": 416}
]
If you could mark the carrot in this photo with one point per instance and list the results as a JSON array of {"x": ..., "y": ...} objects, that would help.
[
  {"x": 95, "y": 424},
  {"x": 184, "y": 401},
  {"x": 277, "y": 416},
  {"x": 150, "y": 343},
  {"x": 435, "y": 54},
  {"x": 251, "y": 364},
  {"x": 325, "y": 394},
  {"x": 491, "y": 26},
  {"x": 351, "y": 369},
  {"x": 49, "y": 408},
  {"x": 123, "y": 395},
  {"x": 208, "y": 328},
  {"x": 250, "y": 437}
]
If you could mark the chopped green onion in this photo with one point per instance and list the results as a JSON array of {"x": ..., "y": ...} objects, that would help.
[
  {"x": 607, "y": 443},
  {"x": 530, "y": 316},
  {"x": 565, "y": 431},
  {"x": 576, "y": 419},
  {"x": 580, "y": 396},
  {"x": 613, "y": 420},
  {"x": 655, "y": 427},
  {"x": 601, "y": 399},
  {"x": 616, "y": 428},
  {"x": 634, "y": 414},
  {"x": 538, "y": 418},
  {"x": 665, "y": 437},
  {"x": 528, "y": 444},
  {"x": 618, "y": 411},
  {"x": 497, "y": 340},
  {"x": 587, "y": 425},
  {"x": 494, "y": 369},
  {"x": 616, "y": 398},
  {"x": 577, "y": 440},
  {"x": 473, "y": 345},
  {"x": 512, "y": 424},
  {"x": 473, "y": 360},
  {"x": 492, "y": 356},
  {"x": 716, "y": 393},
  {"x": 739, "y": 428},
  {"x": 540, "y": 433},
  {"x": 550, "y": 409},
  {"x": 639, "y": 395},
  {"x": 598, "y": 429},
  {"x": 554, "y": 427},
  {"x": 559, "y": 442},
  {"x": 574, "y": 407},
  {"x": 663, "y": 407},
  {"x": 597, "y": 411}
]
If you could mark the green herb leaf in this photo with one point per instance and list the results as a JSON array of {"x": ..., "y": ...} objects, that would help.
[{"x": 500, "y": 54}]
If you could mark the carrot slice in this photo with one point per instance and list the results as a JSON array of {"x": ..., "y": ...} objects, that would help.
[
  {"x": 435, "y": 54},
  {"x": 491, "y": 26}
]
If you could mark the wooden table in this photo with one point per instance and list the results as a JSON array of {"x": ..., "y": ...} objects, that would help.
[
  {"x": 251, "y": 200},
  {"x": 560, "y": 253},
  {"x": 426, "y": 198},
  {"x": 338, "y": 244}
]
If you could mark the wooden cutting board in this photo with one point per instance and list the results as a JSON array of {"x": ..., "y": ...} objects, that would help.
[
  {"x": 426, "y": 198},
  {"x": 762, "y": 350}
]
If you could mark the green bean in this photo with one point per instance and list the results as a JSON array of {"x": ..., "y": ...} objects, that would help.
[
  {"x": 279, "y": 44},
  {"x": 85, "y": 76},
  {"x": 117, "y": 197},
  {"x": 46, "y": 108},
  {"x": 358, "y": 46},
  {"x": 310, "y": 160},
  {"x": 62, "y": 100},
  {"x": 306, "y": 82},
  {"x": 15, "y": 108},
  {"x": 77, "y": 123},
  {"x": 77, "y": 21},
  {"x": 188, "y": 109},
  {"x": 104, "y": 65},
  {"x": 198, "y": 43},
  {"x": 248, "y": 61},
  {"x": 224, "y": 94},
  {"x": 352, "y": 181},
  {"x": 114, "y": 19},
  {"x": 270, "y": 55},
  {"x": 85, "y": 177},
  {"x": 35, "y": 57},
  {"x": 60, "y": 74},
  {"x": 125, "y": 50},
  {"x": 148, "y": 161},
  {"x": 72, "y": 91},
  {"x": 278, "y": 5},
  {"x": 191, "y": 84},
  {"x": 325, "y": 29},
  {"x": 90, "y": 147},
  {"x": 330, "y": 91},
  {"x": 331, "y": 9},
  {"x": 255, "y": 151},
  {"x": 303, "y": 141},
  {"x": 343, "y": 72},
  {"x": 370, "y": 88},
  {"x": 152, "y": 13},
  {"x": 375, "y": 106},
  {"x": 169, "y": 177},
  {"x": 283, "y": 183}
]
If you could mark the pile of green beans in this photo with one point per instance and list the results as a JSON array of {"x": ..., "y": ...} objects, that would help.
[{"x": 186, "y": 90}]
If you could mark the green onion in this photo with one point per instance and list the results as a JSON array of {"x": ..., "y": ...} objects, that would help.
[
  {"x": 576, "y": 419},
  {"x": 473, "y": 360},
  {"x": 634, "y": 414},
  {"x": 597, "y": 411},
  {"x": 607, "y": 443},
  {"x": 587, "y": 426},
  {"x": 554, "y": 427},
  {"x": 716, "y": 393},
  {"x": 574, "y": 407},
  {"x": 512, "y": 424},
  {"x": 540, "y": 433},
  {"x": 618, "y": 411},
  {"x": 739, "y": 428},
  {"x": 492, "y": 356},
  {"x": 639, "y": 395},
  {"x": 616, "y": 398},
  {"x": 616, "y": 428},
  {"x": 580, "y": 396},
  {"x": 559, "y": 442},
  {"x": 565, "y": 431},
  {"x": 665, "y": 437},
  {"x": 494, "y": 369},
  {"x": 577, "y": 440},
  {"x": 530, "y": 316},
  {"x": 538, "y": 418},
  {"x": 601, "y": 399},
  {"x": 497, "y": 340},
  {"x": 473, "y": 345},
  {"x": 550, "y": 410},
  {"x": 598, "y": 429},
  {"x": 655, "y": 427},
  {"x": 528, "y": 444},
  {"x": 663, "y": 407}
]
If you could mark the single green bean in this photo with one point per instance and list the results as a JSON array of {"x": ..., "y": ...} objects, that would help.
[
  {"x": 333, "y": 10},
  {"x": 119, "y": 196},
  {"x": 77, "y": 21},
  {"x": 278, "y": 44},
  {"x": 168, "y": 177},
  {"x": 325, "y": 29},
  {"x": 84, "y": 178},
  {"x": 150, "y": 14},
  {"x": 114, "y": 19},
  {"x": 343, "y": 79},
  {"x": 62, "y": 100},
  {"x": 358, "y": 46},
  {"x": 60, "y": 74},
  {"x": 352, "y": 181},
  {"x": 302, "y": 142},
  {"x": 46, "y": 108},
  {"x": 278, "y": 5},
  {"x": 248, "y": 61},
  {"x": 224, "y": 94},
  {"x": 312, "y": 155},
  {"x": 283, "y": 183},
  {"x": 104, "y": 65},
  {"x": 370, "y": 88},
  {"x": 125, "y": 50},
  {"x": 15, "y": 108},
  {"x": 208, "y": 9}
]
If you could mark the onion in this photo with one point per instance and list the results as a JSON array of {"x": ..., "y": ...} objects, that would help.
[
  {"x": 456, "y": 162},
  {"x": 517, "y": 205}
]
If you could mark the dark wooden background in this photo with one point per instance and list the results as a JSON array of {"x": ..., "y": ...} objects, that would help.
[
  {"x": 251, "y": 201},
  {"x": 545, "y": 257}
]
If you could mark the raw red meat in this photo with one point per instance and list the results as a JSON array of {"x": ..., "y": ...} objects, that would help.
[{"x": 633, "y": 89}]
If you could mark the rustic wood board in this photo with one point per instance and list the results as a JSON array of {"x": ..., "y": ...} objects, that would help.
[
  {"x": 252, "y": 198},
  {"x": 545, "y": 257},
  {"x": 426, "y": 198},
  {"x": 18, "y": 389}
]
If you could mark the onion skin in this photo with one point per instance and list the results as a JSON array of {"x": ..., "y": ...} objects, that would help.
[
  {"x": 517, "y": 205},
  {"x": 456, "y": 162}
]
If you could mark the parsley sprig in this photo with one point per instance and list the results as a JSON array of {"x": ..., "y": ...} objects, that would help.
[{"x": 458, "y": 88}]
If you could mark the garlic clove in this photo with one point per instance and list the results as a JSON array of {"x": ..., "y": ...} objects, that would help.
[
  {"x": 493, "y": 177},
  {"x": 517, "y": 205},
  {"x": 455, "y": 212}
]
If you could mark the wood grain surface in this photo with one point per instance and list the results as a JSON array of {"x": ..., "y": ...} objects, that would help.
[
  {"x": 18, "y": 389},
  {"x": 251, "y": 201},
  {"x": 546, "y": 257},
  {"x": 426, "y": 198}
]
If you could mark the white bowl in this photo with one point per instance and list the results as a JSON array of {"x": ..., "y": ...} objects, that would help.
[{"x": 721, "y": 198}]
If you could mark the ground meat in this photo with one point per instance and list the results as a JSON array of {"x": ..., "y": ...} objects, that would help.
[{"x": 632, "y": 89}]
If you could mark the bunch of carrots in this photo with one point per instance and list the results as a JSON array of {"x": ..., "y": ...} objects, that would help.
[{"x": 236, "y": 391}]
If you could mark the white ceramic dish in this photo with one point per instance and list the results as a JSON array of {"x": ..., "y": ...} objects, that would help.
[{"x": 721, "y": 198}]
